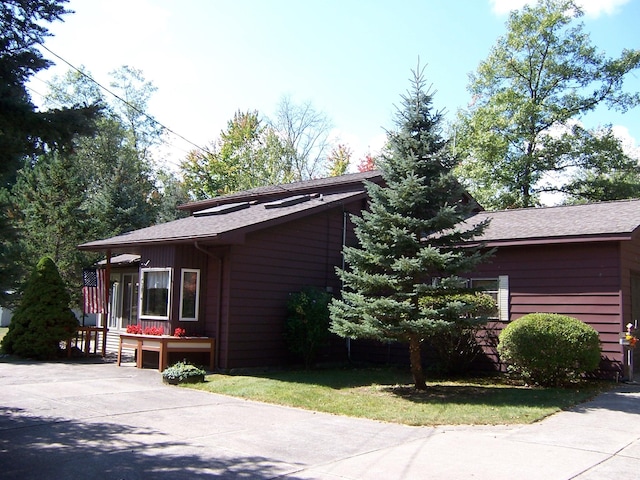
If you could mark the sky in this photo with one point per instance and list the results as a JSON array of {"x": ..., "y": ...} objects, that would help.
[{"x": 351, "y": 59}]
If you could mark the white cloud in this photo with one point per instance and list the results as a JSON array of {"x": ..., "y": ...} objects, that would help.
[
  {"x": 591, "y": 8},
  {"x": 629, "y": 144}
]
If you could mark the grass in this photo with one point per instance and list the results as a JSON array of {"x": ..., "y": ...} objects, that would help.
[
  {"x": 3, "y": 332},
  {"x": 386, "y": 394}
]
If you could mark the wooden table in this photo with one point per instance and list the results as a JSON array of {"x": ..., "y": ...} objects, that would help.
[{"x": 164, "y": 344}]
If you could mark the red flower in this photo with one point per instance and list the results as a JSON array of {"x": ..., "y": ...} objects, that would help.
[
  {"x": 153, "y": 331},
  {"x": 179, "y": 332},
  {"x": 135, "y": 329}
]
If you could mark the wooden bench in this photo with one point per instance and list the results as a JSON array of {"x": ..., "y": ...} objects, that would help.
[{"x": 165, "y": 344}]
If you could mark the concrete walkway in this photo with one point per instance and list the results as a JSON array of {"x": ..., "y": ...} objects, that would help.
[{"x": 100, "y": 421}]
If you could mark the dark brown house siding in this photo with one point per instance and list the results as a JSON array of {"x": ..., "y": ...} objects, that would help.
[
  {"x": 581, "y": 280},
  {"x": 630, "y": 259},
  {"x": 264, "y": 271},
  {"x": 177, "y": 257}
]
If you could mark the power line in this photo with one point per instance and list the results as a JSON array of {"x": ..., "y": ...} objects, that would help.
[
  {"x": 57, "y": 103},
  {"x": 164, "y": 127}
]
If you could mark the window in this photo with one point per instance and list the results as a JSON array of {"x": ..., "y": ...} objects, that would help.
[
  {"x": 156, "y": 287},
  {"x": 189, "y": 294},
  {"x": 498, "y": 288}
]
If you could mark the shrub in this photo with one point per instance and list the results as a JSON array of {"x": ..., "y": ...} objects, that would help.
[
  {"x": 43, "y": 318},
  {"x": 307, "y": 324},
  {"x": 455, "y": 348},
  {"x": 549, "y": 349},
  {"x": 183, "y": 372},
  {"x": 455, "y": 343}
]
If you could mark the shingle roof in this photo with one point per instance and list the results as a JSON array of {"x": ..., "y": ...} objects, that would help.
[
  {"x": 563, "y": 223},
  {"x": 216, "y": 220},
  {"x": 218, "y": 228},
  {"x": 262, "y": 193}
]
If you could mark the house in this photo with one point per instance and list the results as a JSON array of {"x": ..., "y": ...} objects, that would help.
[
  {"x": 579, "y": 260},
  {"x": 227, "y": 270}
]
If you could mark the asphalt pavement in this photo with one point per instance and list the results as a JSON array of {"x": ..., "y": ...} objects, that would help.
[{"x": 94, "y": 420}]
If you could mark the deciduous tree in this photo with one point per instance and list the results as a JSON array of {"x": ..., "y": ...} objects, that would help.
[
  {"x": 305, "y": 133},
  {"x": 338, "y": 160},
  {"x": 248, "y": 154},
  {"x": 522, "y": 136}
]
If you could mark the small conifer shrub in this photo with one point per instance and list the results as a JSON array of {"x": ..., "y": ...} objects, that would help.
[{"x": 42, "y": 318}]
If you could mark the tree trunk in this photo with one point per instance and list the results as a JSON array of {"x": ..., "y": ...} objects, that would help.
[{"x": 416, "y": 363}]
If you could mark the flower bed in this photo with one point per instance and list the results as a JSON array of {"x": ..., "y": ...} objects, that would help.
[{"x": 138, "y": 330}]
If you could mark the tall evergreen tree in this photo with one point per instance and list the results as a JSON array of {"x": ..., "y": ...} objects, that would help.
[
  {"x": 49, "y": 198},
  {"x": 402, "y": 282},
  {"x": 24, "y": 131}
]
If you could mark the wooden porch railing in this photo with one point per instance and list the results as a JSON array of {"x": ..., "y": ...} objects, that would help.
[{"x": 83, "y": 338}]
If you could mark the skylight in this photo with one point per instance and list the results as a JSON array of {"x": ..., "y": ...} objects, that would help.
[
  {"x": 222, "y": 209},
  {"x": 285, "y": 202}
]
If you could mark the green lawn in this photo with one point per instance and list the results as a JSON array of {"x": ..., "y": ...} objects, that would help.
[
  {"x": 386, "y": 394},
  {"x": 3, "y": 332}
]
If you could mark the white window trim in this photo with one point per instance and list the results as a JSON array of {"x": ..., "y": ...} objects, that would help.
[
  {"x": 503, "y": 298},
  {"x": 141, "y": 315},
  {"x": 502, "y": 295},
  {"x": 197, "y": 308}
]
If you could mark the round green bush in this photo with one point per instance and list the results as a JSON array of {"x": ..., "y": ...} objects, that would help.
[{"x": 549, "y": 349}]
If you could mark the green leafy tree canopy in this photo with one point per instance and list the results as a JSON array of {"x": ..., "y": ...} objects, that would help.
[
  {"x": 522, "y": 134},
  {"x": 248, "y": 154}
]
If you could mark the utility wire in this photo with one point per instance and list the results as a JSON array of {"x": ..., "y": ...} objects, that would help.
[
  {"x": 56, "y": 103},
  {"x": 204, "y": 150}
]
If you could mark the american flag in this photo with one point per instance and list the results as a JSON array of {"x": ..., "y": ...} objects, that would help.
[{"x": 93, "y": 290}]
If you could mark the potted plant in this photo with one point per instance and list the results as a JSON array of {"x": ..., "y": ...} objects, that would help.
[{"x": 183, "y": 372}]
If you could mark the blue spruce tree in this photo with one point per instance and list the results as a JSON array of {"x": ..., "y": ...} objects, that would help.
[{"x": 403, "y": 281}]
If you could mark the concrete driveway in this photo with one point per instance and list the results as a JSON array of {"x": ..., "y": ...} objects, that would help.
[{"x": 99, "y": 421}]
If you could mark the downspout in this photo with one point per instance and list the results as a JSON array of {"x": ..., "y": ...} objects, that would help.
[
  {"x": 344, "y": 243},
  {"x": 220, "y": 277}
]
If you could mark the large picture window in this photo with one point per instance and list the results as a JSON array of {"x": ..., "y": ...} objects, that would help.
[
  {"x": 156, "y": 287},
  {"x": 189, "y": 294}
]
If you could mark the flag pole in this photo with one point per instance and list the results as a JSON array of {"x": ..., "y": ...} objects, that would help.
[{"x": 107, "y": 284}]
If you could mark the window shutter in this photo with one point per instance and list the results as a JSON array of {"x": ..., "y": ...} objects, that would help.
[{"x": 503, "y": 298}]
